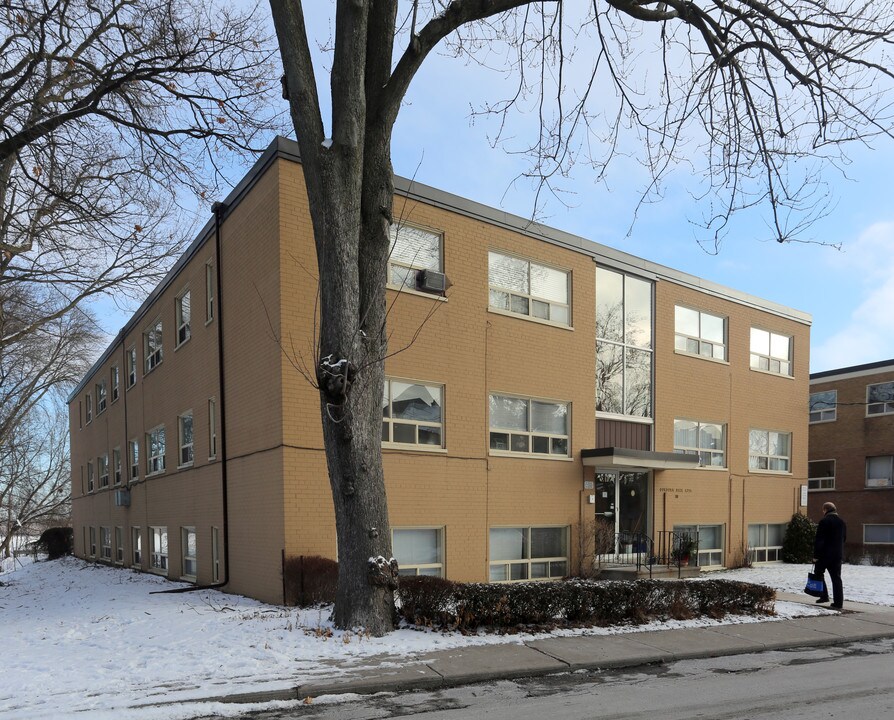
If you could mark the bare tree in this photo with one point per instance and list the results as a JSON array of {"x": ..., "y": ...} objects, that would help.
[{"x": 754, "y": 87}]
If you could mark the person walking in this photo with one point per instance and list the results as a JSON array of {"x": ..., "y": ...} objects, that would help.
[{"x": 828, "y": 552}]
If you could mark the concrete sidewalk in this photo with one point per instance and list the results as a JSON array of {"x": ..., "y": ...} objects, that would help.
[{"x": 460, "y": 666}]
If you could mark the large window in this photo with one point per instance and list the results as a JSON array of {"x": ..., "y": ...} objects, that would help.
[
  {"x": 131, "y": 367},
  {"x": 710, "y": 542},
  {"x": 880, "y": 399},
  {"x": 182, "y": 316},
  {"x": 88, "y": 404},
  {"x": 878, "y": 471},
  {"x": 412, "y": 249},
  {"x": 528, "y": 288},
  {"x": 158, "y": 559},
  {"x": 623, "y": 344},
  {"x": 823, "y": 406},
  {"x": 188, "y": 548},
  {"x": 90, "y": 480},
  {"x": 821, "y": 475},
  {"x": 528, "y": 553},
  {"x": 769, "y": 450},
  {"x": 707, "y": 440},
  {"x": 184, "y": 423},
  {"x": 878, "y": 534},
  {"x": 412, "y": 413},
  {"x": 116, "y": 464},
  {"x": 155, "y": 450},
  {"x": 771, "y": 352},
  {"x": 119, "y": 545},
  {"x": 152, "y": 350},
  {"x": 115, "y": 376},
  {"x": 765, "y": 542},
  {"x": 521, "y": 425},
  {"x": 102, "y": 467},
  {"x": 134, "y": 459},
  {"x": 100, "y": 396},
  {"x": 92, "y": 542},
  {"x": 136, "y": 540},
  {"x": 105, "y": 543},
  {"x": 699, "y": 333},
  {"x": 419, "y": 551}
]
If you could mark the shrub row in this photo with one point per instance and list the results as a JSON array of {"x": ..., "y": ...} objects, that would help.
[
  {"x": 309, "y": 580},
  {"x": 439, "y": 603}
]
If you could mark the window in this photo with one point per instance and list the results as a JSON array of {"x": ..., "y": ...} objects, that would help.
[
  {"x": 212, "y": 428},
  {"x": 188, "y": 546},
  {"x": 528, "y": 553},
  {"x": 412, "y": 249},
  {"x": 709, "y": 540},
  {"x": 765, "y": 542},
  {"x": 878, "y": 534},
  {"x": 209, "y": 292},
  {"x": 520, "y": 425},
  {"x": 119, "y": 545},
  {"x": 419, "y": 551},
  {"x": 93, "y": 542},
  {"x": 134, "y": 459},
  {"x": 158, "y": 558},
  {"x": 707, "y": 440},
  {"x": 89, "y": 476},
  {"x": 88, "y": 404},
  {"x": 821, "y": 475},
  {"x": 699, "y": 333},
  {"x": 115, "y": 382},
  {"x": 623, "y": 344},
  {"x": 769, "y": 450},
  {"x": 155, "y": 451},
  {"x": 105, "y": 543},
  {"x": 528, "y": 288},
  {"x": 215, "y": 555},
  {"x": 131, "y": 367},
  {"x": 152, "y": 350},
  {"x": 879, "y": 399},
  {"x": 116, "y": 465},
  {"x": 184, "y": 423},
  {"x": 823, "y": 406},
  {"x": 411, "y": 413},
  {"x": 771, "y": 352},
  {"x": 102, "y": 469},
  {"x": 182, "y": 312},
  {"x": 878, "y": 471},
  {"x": 100, "y": 397},
  {"x": 136, "y": 540}
]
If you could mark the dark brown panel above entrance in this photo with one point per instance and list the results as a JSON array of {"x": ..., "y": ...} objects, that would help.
[{"x": 621, "y": 434}]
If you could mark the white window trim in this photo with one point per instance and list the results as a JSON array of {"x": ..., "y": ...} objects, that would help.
[
  {"x": 131, "y": 366},
  {"x": 91, "y": 550},
  {"x": 700, "y": 340},
  {"x": 181, "y": 446},
  {"x": 685, "y": 528},
  {"x": 880, "y": 544},
  {"x": 91, "y": 482},
  {"x": 508, "y": 563},
  {"x": 119, "y": 545},
  {"x": 788, "y": 457},
  {"x": 833, "y": 410},
  {"x": 831, "y": 477},
  {"x": 159, "y": 561},
  {"x": 88, "y": 407},
  {"x": 115, "y": 383},
  {"x": 440, "y": 566},
  {"x": 179, "y": 324},
  {"x": 133, "y": 459},
  {"x": 764, "y": 548},
  {"x": 530, "y": 454},
  {"x": 152, "y": 360},
  {"x": 883, "y": 403},
  {"x": 889, "y": 480},
  {"x": 105, "y": 548},
  {"x": 531, "y": 298},
  {"x": 150, "y": 458},
  {"x": 420, "y": 447},
  {"x": 791, "y": 353},
  {"x": 116, "y": 465},
  {"x": 136, "y": 547},
  {"x": 102, "y": 397},
  {"x": 184, "y": 558},
  {"x": 102, "y": 464},
  {"x": 698, "y": 451}
]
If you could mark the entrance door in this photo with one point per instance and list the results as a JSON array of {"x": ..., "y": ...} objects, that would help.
[{"x": 621, "y": 508}]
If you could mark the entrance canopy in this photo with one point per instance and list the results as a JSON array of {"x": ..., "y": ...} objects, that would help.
[{"x": 637, "y": 460}]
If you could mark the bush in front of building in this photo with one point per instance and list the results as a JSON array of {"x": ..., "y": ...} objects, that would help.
[
  {"x": 309, "y": 580},
  {"x": 439, "y": 603},
  {"x": 55, "y": 542},
  {"x": 797, "y": 545}
]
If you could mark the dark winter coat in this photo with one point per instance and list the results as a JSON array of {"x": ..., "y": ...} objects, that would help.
[{"x": 831, "y": 534}]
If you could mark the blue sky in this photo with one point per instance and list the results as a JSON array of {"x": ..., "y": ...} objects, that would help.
[{"x": 849, "y": 292}]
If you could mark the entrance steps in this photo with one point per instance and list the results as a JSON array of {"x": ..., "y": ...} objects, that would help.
[{"x": 659, "y": 572}]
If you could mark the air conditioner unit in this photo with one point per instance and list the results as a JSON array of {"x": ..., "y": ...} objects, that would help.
[
  {"x": 431, "y": 281},
  {"x": 122, "y": 498}
]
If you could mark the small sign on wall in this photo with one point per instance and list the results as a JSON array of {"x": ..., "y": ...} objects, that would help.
[{"x": 803, "y": 496}]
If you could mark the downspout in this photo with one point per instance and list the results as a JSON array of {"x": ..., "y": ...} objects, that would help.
[{"x": 218, "y": 209}]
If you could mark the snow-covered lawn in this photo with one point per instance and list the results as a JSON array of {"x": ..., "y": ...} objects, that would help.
[{"x": 86, "y": 638}]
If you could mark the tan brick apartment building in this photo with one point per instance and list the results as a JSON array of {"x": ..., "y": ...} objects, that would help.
[
  {"x": 550, "y": 385},
  {"x": 852, "y": 449}
]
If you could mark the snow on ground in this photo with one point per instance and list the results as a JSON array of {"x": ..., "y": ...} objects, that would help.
[{"x": 79, "y": 637}]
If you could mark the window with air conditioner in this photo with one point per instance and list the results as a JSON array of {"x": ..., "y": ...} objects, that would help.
[
  {"x": 416, "y": 256},
  {"x": 879, "y": 471}
]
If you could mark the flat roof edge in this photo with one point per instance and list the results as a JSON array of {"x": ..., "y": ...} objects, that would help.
[{"x": 844, "y": 373}]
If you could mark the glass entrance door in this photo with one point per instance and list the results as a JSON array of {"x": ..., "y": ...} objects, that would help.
[{"x": 621, "y": 508}]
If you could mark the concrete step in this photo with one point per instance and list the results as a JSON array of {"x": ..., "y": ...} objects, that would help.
[{"x": 629, "y": 572}]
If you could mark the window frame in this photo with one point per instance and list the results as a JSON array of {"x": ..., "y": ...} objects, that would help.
[
  {"x": 152, "y": 435},
  {"x": 136, "y": 547},
  {"x": 105, "y": 543},
  {"x": 102, "y": 470},
  {"x": 212, "y": 428},
  {"x": 442, "y": 548},
  {"x": 185, "y": 558},
  {"x": 700, "y": 340},
  {"x": 813, "y": 480},
  {"x": 186, "y": 450},
  {"x": 889, "y": 481},
  {"x": 529, "y": 297},
  {"x": 92, "y": 548},
  {"x": 766, "y": 549},
  {"x": 115, "y": 382},
  {"x": 182, "y": 320},
  {"x": 390, "y": 421},
  {"x": 134, "y": 458},
  {"x": 530, "y": 434},
  {"x": 769, "y": 456},
  {"x": 88, "y": 407},
  {"x": 119, "y": 545},
  {"x": 413, "y": 269},
  {"x": 822, "y": 412},
  {"x": 529, "y": 561},
  {"x": 878, "y": 525},
  {"x": 885, "y": 409},
  {"x": 91, "y": 487},
  {"x": 101, "y": 397},
  {"x": 153, "y": 353},
  {"x": 698, "y": 450},
  {"x": 159, "y": 556},
  {"x": 131, "y": 366},
  {"x": 790, "y": 360},
  {"x": 116, "y": 464},
  {"x": 209, "y": 291},
  {"x": 695, "y": 530}
]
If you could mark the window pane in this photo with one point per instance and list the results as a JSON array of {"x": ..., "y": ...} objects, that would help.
[
  {"x": 417, "y": 547},
  {"x": 540, "y": 444},
  {"x": 549, "y": 284},
  {"x": 609, "y": 305},
  {"x": 760, "y": 341},
  {"x": 638, "y": 377},
  {"x": 499, "y": 299},
  {"x": 539, "y": 570},
  {"x": 508, "y": 412},
  {"x": 779, "y": 444},
  {"x": 547, "y": 542},
  {"x": 558, "y": 568},
  {"x": 559, "y": 446},
  {"x": 686, "y": 321},
  {"x": 775, "y": 534},
  {"x": 518, "y": 304},
  {"x": 883, "y": 392},
  {"x": 518, "y": 572},
  {"x": 549, "y": 418},
  {"x": 498, "y": 573},
  {"x": 709, "y": 537},
  {"x": 416, "y": 247},
  {"x": 821, "y": 469},
  {"x": 429, "y": 435},
  {"x": 712, "y": 328},
  {"x": 499, "y": 441},
  {"x": 507, "y": 272},
  {"x": 685, "y": 434},
  {"x": 609, "y": 378},
  {"x": 519, "y": 443},
  {"x": 508, "y": 544},
  {"x": 638, "y": 312},
  {"x": 404, "y": 433},
  {"x": 779, "y": 346},
  {"x": 416, "y": 402},
  {"x": 710, "y": 437},
  {"x": 823, "y": 400},
  {"x": 878, "y": 468},
  {"x": 559, "y": 314},
  {"x": 540, "y": 309},
  {"x": 758, "y": 442},
  {"x": 878, "y": 533},
  {"x": 756, "y": 536}
]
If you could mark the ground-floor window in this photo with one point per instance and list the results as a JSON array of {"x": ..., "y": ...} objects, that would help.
[
  {"x": 419, "y": 551},
  {"x": 765, "y": 542},
  {"x": 137, "y": 545},
  {"x": 878, "y": 534},
  {"x": 528, "y": 553},
  {"x": 188, "y": 548},
  {"x": 119, "y": 545},
  {"x": 710, "y": 542},
  {"x": 92, "y": 542},
  {"x": 158, "y": 559},
  {"x": 105, "y": 543}
]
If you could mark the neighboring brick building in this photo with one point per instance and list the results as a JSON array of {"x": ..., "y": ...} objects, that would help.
[
  {"x": 501, "y": 448},
  {"x": 852, "y": 449}
]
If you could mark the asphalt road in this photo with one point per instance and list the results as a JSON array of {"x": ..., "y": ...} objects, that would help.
[{"x": 846, "y": 681}]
